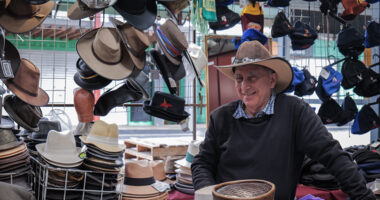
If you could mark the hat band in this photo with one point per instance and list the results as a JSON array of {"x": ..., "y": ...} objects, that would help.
[
  {"x": 89, "y": 77},
  {"x": 246, "y": 60},
  {"x": 167, "y": 44},
  {"x": 130, "y": 48},
  {"x": 22, "y": 89},
  {"x": 102, "y": 140},
  {"x": 139, "y": 181},
  {"x": 28, "y": 15},
  {"x": 106, "y": 62},
  {"x": 189, "y": 157}
]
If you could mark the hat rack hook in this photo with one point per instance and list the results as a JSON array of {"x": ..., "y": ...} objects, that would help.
[{"x": 57, "y": 8}]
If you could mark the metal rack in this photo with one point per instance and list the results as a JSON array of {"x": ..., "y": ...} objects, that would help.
[{"x": 40, "y": 183}]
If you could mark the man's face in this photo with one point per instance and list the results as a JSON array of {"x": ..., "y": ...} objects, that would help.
[{"x": 254, "y": 85}]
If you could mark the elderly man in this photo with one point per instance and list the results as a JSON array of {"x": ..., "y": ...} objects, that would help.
[{"x": 266, "y": 134}]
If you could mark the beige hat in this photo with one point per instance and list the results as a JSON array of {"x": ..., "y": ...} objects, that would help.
[
  {"x": 139, "y": 178},
  {"x": 198, "y": 56},
  {"x": 21, "y": 17},
  {"x": 158, "y": 167},
  {"x": 104, "y": 136},
  {"x": 101, "y": 49},
  {"x": 60, "y": 149},
  {"x": 254, "y": 53},
  {"x": 14, "y": 151},
  {"x": 192, "y": 150}
]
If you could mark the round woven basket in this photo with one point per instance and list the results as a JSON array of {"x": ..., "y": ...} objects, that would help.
[{"x": 252, "y": 189}]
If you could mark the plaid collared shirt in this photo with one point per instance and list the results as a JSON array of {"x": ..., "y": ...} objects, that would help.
[{"x": 268, "y": 109}]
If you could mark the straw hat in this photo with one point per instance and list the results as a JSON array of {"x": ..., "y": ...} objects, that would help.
[
  {"x": 102, "y": 50},
  {"x": 60, "y": 149},
  {"x": 104, "y": 136},
  {"x": 25, "y": 84},
  {"x": 250, "y": 189},
  {"x": 254, "y": 53},
  {"x": 158, "y": 167},
  {"x": 192, "y": 150},
  {"x": 21, "y": 17},
  {"x": 134, "y": 40}
]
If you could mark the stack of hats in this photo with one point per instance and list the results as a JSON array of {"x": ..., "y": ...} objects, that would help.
[
  {"x": 104, "y": 155},
  {"x": 140, "y": 182},
  {"x": 368, "y": 163},
  {"x": 315, "y": 174},
  {"x": 40, "y": 136},
  {"x": 252, "y": 16},
  {"x": 184, "y": 181},
  {"x": 14, "y": 155}
]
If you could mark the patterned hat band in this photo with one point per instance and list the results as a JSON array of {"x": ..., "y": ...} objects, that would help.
[
  {"x": 246, "y": 60},
  {"x": 167, "y": 44}
]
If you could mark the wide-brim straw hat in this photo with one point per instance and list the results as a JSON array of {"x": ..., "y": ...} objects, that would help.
[
  {"x": 116, "y": 63},
  {"x": 161, "y": 196},
  {"x": 13, "y": 20},
  {"x": 25, "y": 84},
  {"x": 249, "y": 189},
  {"x": 254, "y": 53}
]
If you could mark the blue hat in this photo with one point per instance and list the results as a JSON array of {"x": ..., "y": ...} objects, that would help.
[
  {"x": 250, "y": 35},
  {"x": 372, "y": 35},
  {"x": 365, "y": 121},
  {"x": 332, "y": 83},
  {"x": 307, "y": 87},
  {"x": 298, "y": 78}
]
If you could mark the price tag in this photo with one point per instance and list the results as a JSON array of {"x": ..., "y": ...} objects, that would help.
[
  {"x": 172, "y": 82},
  {"x": 6, "y": 68},
  {"x": 82, "y": 154},
  {"x": 325, "y": 73},
  {"x": 161, "y": 186}
]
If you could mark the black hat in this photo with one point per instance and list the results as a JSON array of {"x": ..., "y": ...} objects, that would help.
[
  {"x": 140, "y": 13},
  {"x": 166, "y": 106},
  {"x": 365, "y": 120},
  {"x": 281, "y": 26},
  {"x": 307, "y": 87},
  {"x": 303, "y": 36},
  {"x": 112, "y": 98},
  {"x": 278, "y": 3},
  {"x": 226, "y": 19},
  {"x": 10, "y": 53},
  {"x": 369, "y": 86},
  {"x": 87, "y": 79},
  {"x": 372, "y": 35},
  {"x": 138, "y": 79},
  {"x": 350, "y": 42},
  {"x": 349, "y": 111},
  {"x": 330, "y": 112},
  {"x": 162, "y": 64},
  {"x": 321, "y": 92},
  {"x": 353, "y": 72}
]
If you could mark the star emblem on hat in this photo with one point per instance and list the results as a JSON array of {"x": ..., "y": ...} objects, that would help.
[{"x": 166, "y": 104}]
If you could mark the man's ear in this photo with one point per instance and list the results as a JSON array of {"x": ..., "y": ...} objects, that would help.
[{"x": 273, "y": 80}]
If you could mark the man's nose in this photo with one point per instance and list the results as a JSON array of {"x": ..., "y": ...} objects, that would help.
[{"x": 245, "y": 85}]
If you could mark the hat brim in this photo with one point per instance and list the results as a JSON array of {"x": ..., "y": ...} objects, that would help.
[
  {"x": 10, "y": 145},
  {"x": 97, "y": 168},
  {"x": 162, "y": 196},
  {"x": 139, "y": 190},
  {"x": 20, "y": 24},
  {"x": 41, "y": 99},
  {"x": 90, "y": 86},
  {"x": 12, "y": 54},
  {"x": 65, "y": 159},
  {"x": 183, "y": 163},
  {"x": 14, "y": 151},
  {"x": 109, "y": 148},
  {"x": 142, "y": 21},
  {"x": 280, "y": 66},
  {"x": 15, "y": 117},
  {"x": 172, "y": 59},
  {"x": 140, "y": 87},
  {"x": 75, "y": 13},
  {"x": 116, "y": 71}
]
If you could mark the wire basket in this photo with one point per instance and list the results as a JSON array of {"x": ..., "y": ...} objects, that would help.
[
  {"x": 65, "y": 184},
  {"x": 252, "y": 189}
]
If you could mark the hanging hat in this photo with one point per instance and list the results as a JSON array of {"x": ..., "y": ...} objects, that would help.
[
  {"x": 353, "y": 8},
  {"x": 162, "y": 63},
  {"x": 104, "y": 136},
  {"x": 252, "y": 16},
  {"x": 307, "y": 87},
  {"x": 226, "y": 19},
  {"x": 350, "y": 110},
  {"x": 80, "y": 10},
  {"x": 138, "y": 81},
  {"x": 172, "y": 41},
  {"x": 8, "y": 52},
  {"x": 331, "y": 84},
  {"x": 134, "y": 40},
  {"x": 251, "y": 35},
  {"x": 87, "y": 79},
  {"x": 254, "y": 53},
  {"x": 84, "y": 101},
  {"x": 192, "y": 150},
  {"x": 158, "y": 167},
  {"x": 330, "y": 112},
  {"x": 321, "y": 92},
  {"x": 21, "y": 16},
  {"x": 353, "y": 72},
  {"x": 44, "y": 126},
  {"x": 100, "y": 50},
  {"x": 278, "y": 3},
  {"x": 298, "y": 78},
  {"x": 281, "y": 26},
  {"x": 60, "y": 149},
  {"x": 25, "y": 84},
  {"x": 302, "y": 36},
  {"x": 350, "y": 42},
  {"x": 135, "y": 171},
  {"x": 8, "y": 140},
  {"x": 365, "y": 120},
  {"x": 99, "y": 4},
  {"x": 140, "y": 13},
  {"x": 166, "y": 106},
  {"x": 175, "y": 6},
  {"x": 22, "y": 113},
  {"x": 369, "y": 86},
  {"x": 199, "y": 57},
  {"x": 372, "y": 35}
]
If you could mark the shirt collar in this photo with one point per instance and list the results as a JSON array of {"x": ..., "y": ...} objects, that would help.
[{"x": 268, "y": 109}]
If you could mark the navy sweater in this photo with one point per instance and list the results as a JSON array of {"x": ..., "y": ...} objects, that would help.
[{"x": 272, "y": 148}]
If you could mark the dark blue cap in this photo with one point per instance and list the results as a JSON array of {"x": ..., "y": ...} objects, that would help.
[
  {"x": 365, "y": 121},
  {"x": 251, "y": 34},
  {"x": 332, "y": 83},
  {"x": 372, "y": 35}
]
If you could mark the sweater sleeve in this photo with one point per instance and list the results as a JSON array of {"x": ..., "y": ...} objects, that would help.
[
  {"x": 204, "y": 164},
  {"x": 315, "y": 141}
]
